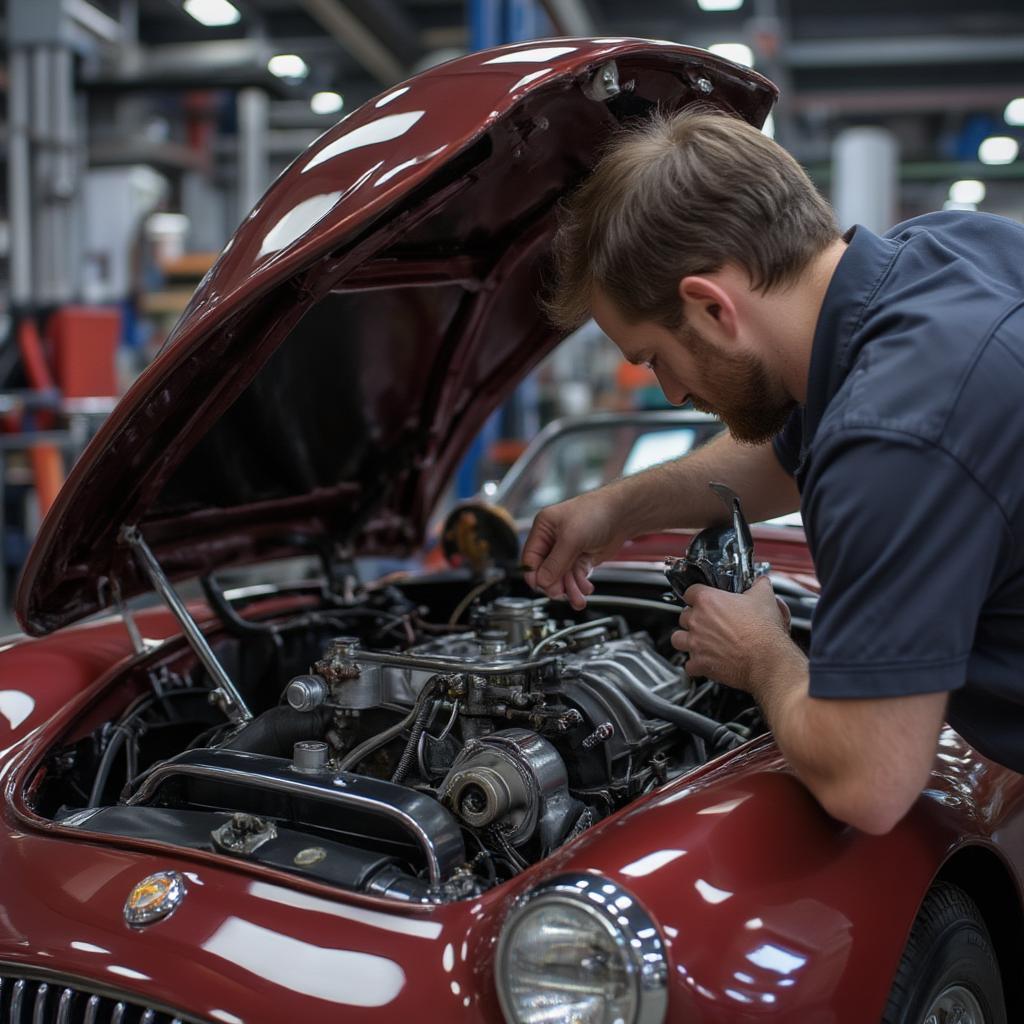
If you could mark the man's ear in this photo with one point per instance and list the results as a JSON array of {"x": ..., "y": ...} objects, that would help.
[{"x": 708, "y": 308}]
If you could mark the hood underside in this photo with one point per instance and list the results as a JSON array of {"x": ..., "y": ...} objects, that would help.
[{"x": 377, "y": 304}]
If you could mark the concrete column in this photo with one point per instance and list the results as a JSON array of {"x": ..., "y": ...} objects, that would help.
[
  {"x": 19, "y": 176},
  {"x": 865, "y": 178},
  {"x": 253, "y": 155}
]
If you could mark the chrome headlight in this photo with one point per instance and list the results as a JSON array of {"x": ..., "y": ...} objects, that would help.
[{"x": 578, "y": 949}]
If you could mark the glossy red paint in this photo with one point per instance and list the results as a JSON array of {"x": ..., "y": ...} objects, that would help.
[{"x": 469, "y": 157}]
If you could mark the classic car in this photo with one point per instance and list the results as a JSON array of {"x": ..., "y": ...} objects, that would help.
[{"x": 440, "y": 797}]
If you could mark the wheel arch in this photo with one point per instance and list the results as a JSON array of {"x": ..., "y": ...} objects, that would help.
[{"x": 985, "y": 877}]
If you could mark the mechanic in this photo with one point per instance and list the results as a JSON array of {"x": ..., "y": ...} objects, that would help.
[{"x": 874, "y": 381}]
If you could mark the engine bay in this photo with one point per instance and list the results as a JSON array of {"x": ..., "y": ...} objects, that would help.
[{"x": 423, "y": 741}]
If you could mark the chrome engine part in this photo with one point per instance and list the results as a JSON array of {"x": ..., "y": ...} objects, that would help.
[{"x": 513, "y": 781}]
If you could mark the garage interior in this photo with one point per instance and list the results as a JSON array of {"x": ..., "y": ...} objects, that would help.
[{"x": 139, "y": 133}]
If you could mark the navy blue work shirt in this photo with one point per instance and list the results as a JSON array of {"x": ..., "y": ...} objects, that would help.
[{"x": 909, "y": 456}]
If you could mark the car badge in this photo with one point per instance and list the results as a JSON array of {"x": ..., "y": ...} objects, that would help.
[{"x": 154, "y": 898}]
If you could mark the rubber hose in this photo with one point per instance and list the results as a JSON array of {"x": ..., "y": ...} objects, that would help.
[
  {"x": 689, "y": 721},
  {"x": 367, "y": 747},
  {"x": 276, "y": 731},
  {"x": 409, "y": 754}
]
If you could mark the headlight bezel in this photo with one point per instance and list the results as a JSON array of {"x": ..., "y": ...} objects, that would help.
[{"x": 618, "y": 912}]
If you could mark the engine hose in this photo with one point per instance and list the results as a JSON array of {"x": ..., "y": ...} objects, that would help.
[
  {"x": 367, "y": 747},
  {"x": 409, "y": 754},
  {"x": 708, "y": 729},
  {"x": 275, "y": 732}
]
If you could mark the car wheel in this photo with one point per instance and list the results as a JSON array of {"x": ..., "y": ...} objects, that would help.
[{"x": 949, "y": 973}]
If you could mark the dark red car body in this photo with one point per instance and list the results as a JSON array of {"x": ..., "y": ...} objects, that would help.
[{"x": 769, "y": 909}]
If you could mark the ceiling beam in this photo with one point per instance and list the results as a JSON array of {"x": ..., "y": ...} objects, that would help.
[
  {"x": 356, "y": 39},
  {"x": 834, "y": 53}
]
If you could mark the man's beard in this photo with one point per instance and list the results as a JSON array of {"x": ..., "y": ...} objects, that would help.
[{"x": 753, "y": 407}]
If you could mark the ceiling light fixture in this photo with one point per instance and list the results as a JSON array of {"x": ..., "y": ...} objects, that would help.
[
  {"x": 738, "y": 53},
  {"x": 719, "y": 5},
  {"x": 287, "y": 65},
  {"x": 998, "y": 149},
  {"x": 1014, "y": 112},
  {"x": 326, "y": 102},
  {"x": 212, "y": 13},
  {"x": 968, "y": 190}
]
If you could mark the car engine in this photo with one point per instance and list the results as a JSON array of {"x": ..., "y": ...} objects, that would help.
[
  {"x": 423, "y": 740},
  {"x": 426, "y": 762}
]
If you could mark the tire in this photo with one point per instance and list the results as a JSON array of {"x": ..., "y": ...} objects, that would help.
[{"x": 949, "y": 972}]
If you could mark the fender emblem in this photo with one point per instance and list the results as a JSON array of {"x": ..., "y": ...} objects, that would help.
[{"x": 154, "y": 898}]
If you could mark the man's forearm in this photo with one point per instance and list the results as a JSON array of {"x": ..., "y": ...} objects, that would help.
[
  {"x": 840, "y": 749},
  {"x": 675, "y": 495}
]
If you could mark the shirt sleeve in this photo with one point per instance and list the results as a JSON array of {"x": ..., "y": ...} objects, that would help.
[
  {"x": 789, "y": 440},
  {"x": 906, "y": 545}
]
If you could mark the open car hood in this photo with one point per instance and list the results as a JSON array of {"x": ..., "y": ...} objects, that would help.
[{"x": 364, "y": 320}]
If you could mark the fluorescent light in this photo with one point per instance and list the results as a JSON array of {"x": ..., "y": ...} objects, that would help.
[
  {"x": 768, "y": 128},
  {"x": 326, "y": 102},
  {"x": 738, "y": 53},
  {"x": 212, "y": 13},
  {"x": 287, "y": 65},
  {"x": 967, "y": 191},
  {"x": 998, "y": 149},
  {"x": 1014, "y": 112},
  {"x": 719, "y": 5},
  {"x": 951, "y": 204}
]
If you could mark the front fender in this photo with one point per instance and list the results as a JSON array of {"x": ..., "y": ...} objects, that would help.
[{"x": 770, "y": 909}]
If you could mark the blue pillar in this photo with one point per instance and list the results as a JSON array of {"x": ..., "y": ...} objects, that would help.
[
  {"x": 485, "y": 23},
  {"x": 491, "y": 23}
]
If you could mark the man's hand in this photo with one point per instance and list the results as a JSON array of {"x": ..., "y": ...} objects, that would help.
[
  {"x": 737, "y": 639},
  {"x": 865, "y": 760},
  {"x": 567, "y": 540}
]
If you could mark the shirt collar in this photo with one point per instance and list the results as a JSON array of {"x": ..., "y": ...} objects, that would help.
[{"x": 855, "y": 281}]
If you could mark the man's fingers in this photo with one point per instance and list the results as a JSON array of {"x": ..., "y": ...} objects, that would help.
[
  {"x": 535, "y": 550},
  {"x": 573, "y": 592},
  {"x": 684, "y": 618},
  {"x": 558, "y": 563},
  {"x": 579, "y": 573},
  {"x": 681, "y": 640},
  {"x": 693, "y": 593}
]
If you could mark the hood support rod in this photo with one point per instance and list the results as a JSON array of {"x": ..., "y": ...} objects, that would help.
[{"x": 226, "y": 693}]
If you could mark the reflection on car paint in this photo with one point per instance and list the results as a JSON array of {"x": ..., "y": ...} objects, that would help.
[
  {"x": 297, "y": 221},
  {"x": 411, "y": 162},
  {"x": 412, "y": 926},
  {"x": 652, "y": 862},
  {"x": 88, "y": 947},
  {"x": 384, "y": 129},
  {"x": 775, "y": 958},
  {"x": 527, "y": 79},
  {"x": 127, "y": 972},
  {"x": 537, "y": 55},
  {"x": 16, "y": 706},
  {"x": 342, "y": 976},
  {"x": 393, "y": 95},
  {"x": 711, "y": 893}
]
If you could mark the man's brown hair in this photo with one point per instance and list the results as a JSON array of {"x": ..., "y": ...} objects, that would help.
[{"x": 684, "y": 194}]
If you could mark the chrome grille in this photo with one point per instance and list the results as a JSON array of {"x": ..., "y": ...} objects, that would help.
[{"x": 31, "y": 1001}]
